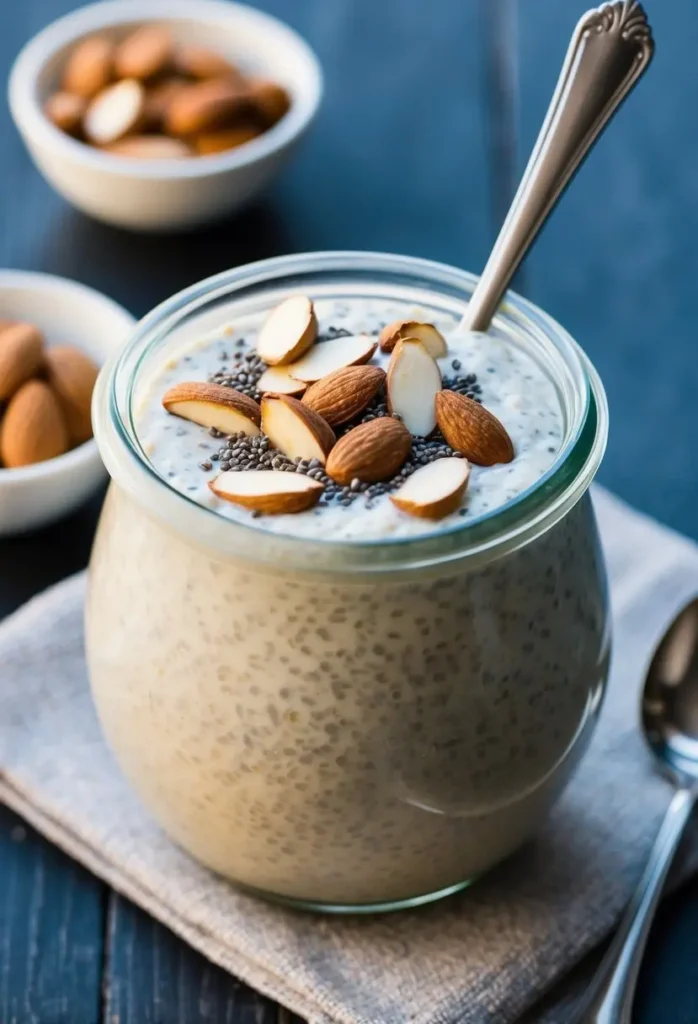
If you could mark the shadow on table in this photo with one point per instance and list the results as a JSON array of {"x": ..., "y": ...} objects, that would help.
[{"x": 140, "y": 270}]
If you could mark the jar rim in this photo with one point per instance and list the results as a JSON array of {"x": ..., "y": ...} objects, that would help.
[{"x": 495, "y": 532}]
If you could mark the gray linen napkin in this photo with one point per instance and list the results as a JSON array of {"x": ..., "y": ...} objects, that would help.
[{"x": 484, "y": 956}]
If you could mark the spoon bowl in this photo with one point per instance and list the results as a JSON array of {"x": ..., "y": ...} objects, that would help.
[{"x": 670, "y": 700}]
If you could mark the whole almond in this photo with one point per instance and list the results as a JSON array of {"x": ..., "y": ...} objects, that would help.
[
  {"x": 209, "y": 143},
  {"x": 72, "y": 375},
  {"x": 370, "y": 452},
  {"x": 147, "y": 52},
  {"x": 342, "y": 395},
  {"x": 66, "y": 110},
  {"x": 158, "y": 98},
  {"x": 202, "y": 63},
  {"x": 90, "y": 67},
  {"x": 269, "y": 99},
  {"x": 33, "y": 428},
  {"x": 471, "y": 429},
  {"x": 205, "y": 106},
  {"x": 21, "y": 356}
]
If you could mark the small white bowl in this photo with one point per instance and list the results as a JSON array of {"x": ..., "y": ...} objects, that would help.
[
  {"x": 67, "y": 313},
  {"x": 157, "y": 195}
]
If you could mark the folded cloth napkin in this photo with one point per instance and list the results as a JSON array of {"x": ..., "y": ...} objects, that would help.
[{"x": 484, "y": 956}]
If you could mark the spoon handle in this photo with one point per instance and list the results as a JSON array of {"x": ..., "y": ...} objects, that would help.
[
  {"x": 610, "y": 998},
  {"x": 610, "y": 49}
]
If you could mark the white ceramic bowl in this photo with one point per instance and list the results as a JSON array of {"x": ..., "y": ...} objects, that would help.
[
  {"x": 158, "y": 195},
  {"x": 67, "y": 313}
]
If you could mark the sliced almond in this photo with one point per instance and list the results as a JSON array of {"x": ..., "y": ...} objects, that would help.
[
  {"x": 115, "y": 112},
  {"x": 145, "y": 53},
  {"x": 21, "y": 356},
  {"x": 435, "y": 490},
  {"x": 471, "y": 429},
  {"x": 72, "y": 375},
  {"x": 288, "y": 332},
  {"x": 150, "y": 147},
  {"x": 432, "y": 339},
  {"x": 342, "y": 395},
  {"x": 210, "y": 143},
  {"x": 296, "y": 430},
  {"x": 213, "y": 405},
  {"x": 333, "y": 355},
  {"x": 66, "y": 110},
  {"x": 269, "y": 491},
  {"x": 278, "y": 380},
  {"x": 90, "y": 67},
  {"x": 370, "y": 452},
  {"x": 414, "y": 380},
  {"x": 204, "y": 106},
  {"x": 32, "y": 429},
  {"x": 200, "y": 62}
]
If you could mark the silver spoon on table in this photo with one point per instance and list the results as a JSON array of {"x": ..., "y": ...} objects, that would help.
[
  {"x": 610, "y": 49},
  {"x": 670, "y": 724}
]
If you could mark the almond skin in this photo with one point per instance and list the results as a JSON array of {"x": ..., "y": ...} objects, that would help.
[
  {"x": 209, "y": 143},
  {"x": 145, "y": 53},
  {"x": 158, "y": 98},
  {"x": 370, "y": 452},
  {"x": 201, "y": 63},
  {"x": 66, "y": 110},
  {"x": 21, "y": 356},
  {"x": 471, "y": 429},
  {"x": 33, "y": 428},
  {"x": 72, "y": 375},
  {"x": 342, "y": 395},
  {"x": 90, "y": 67},
  {"x": 270, "y": 100},
  {"x": 205, "y": 106}
]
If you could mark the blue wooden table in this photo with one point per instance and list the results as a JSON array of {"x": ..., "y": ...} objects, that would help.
[{"x": 430, "y": 105}]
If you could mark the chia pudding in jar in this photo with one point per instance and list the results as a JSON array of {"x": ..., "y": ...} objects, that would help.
[{"x": 347, "y": 631}]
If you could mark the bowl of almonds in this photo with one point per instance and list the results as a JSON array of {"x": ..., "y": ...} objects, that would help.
[
  {"x": 54, "y": 336},
  {"x": 160, "y": 116}
]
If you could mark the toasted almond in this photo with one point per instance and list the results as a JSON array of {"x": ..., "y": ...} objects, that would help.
[
  {"x": 342, "y": 395},
  {"x": 472, "y": 430},
  {"x": 370, "y": 452},
  {"x": 158, "y": 98},
  {"x": 271, "y": 492},
  {"x": 32, "y": 429},
  {"x": 296, "y": 430},
  {"x": 66, "y": 110},
  {"x": 209, "y": 143},
  {"x": 115, "y": 112},
  {"x": 278, "y": 380},
  {"x": 269, "y": 99},
  {"x": 21, "y": 356},
  {"x": 147, "y": 52},
  {"x": 213, "y": 405},
  {"x": 200, "y": 62},
  {"x": 435, "y": 490},
  {"x": 333, "y": 355},
  {"x": 414, "y": 380},
  {"x": 90, "y": 67},
  {"x": 150, "y": 147},
  {"x": 72, "y": 375},
  {"x": 432, "y": 339},
  {"x": 288, "y": 332},
  {"x": 205, "y": 106}
]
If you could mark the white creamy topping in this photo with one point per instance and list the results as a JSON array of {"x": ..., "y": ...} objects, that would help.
[{"x": 514, "y": 387}]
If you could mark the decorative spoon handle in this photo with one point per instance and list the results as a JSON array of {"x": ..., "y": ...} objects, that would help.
[
  {"x": 610, "y": 997},
  {"x": 610, "y": 49}
]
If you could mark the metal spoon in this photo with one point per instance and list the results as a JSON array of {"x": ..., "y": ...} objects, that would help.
[
  {"x": 610, "y": 49},
  {"x": 670, "y": 724}
]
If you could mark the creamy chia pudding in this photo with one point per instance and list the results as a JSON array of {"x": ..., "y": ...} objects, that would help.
[{"x": 347, "y": 627}]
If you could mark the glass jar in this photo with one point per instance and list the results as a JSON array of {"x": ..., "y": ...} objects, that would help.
[{"x": 347, "y": 725}]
